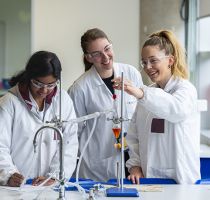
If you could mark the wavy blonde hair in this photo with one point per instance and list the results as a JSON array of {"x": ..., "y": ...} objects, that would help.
[{"x": 166, "y": 40}]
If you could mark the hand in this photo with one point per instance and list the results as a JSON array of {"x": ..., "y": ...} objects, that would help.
[
  {"x": 15, "y": 180},
  {"x": 40, "y": 179},
  {"x": 135, "y": 174},
  {"x": 128, "y": 87}
]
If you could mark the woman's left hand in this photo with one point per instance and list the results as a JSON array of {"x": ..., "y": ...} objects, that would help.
[
  {"x": 40, "y": 179},
  {"x": 128, "y": 87}
]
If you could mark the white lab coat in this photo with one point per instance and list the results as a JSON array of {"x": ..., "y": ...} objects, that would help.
[
  {"x": 18, "y": 125},
  {"x": 90, "y": 94},
  {"x": 175, "y": 152}
]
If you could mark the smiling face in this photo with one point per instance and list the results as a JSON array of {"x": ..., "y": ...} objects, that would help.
[
  {"x": 157, "y": 64},
  {"x": 100, "y": 54},
  {"x": 42, "y": 86}
]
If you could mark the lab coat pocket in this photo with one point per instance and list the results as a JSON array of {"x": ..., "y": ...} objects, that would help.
[{"x": 157, "y": 125}]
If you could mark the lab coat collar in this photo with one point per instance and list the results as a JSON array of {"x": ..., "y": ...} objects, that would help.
[
  {"x": 171, "y": 83},
  {"x": 24, "y": 92},
  {"x": 98, "y": 79},
  {"x": 117, "y": 71}
]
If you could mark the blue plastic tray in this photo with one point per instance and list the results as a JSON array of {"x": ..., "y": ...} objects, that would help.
[
  {"x": 145, "y": 181},
  {"x": 205, "y": 168},
  {"x": 125, "y": 192},
  {"x": 87, "y": 183},
  {"x": 205, "y": 181}
]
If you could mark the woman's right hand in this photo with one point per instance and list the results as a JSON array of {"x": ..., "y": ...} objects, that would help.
[
  {"x": 15, "y": 180},
  {"x": 128, "y": 87},
  {"x": 135, "y": 174},
  {"x": 40, "y": 179}
]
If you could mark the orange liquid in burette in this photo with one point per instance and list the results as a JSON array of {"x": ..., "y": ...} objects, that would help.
[{"x": 116, "y": 132}]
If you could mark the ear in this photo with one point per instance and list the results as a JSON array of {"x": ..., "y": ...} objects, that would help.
[
  {"x": 88, "y": 58},
  {"x": 171, "y": 60}
]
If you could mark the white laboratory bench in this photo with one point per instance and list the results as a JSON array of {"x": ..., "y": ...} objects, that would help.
[{"x": 170, "y": 192}]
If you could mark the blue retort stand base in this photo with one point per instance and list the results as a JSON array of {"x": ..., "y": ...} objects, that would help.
[{"x": 122, "y": 192}]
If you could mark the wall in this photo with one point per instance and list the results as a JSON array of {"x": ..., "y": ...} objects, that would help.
[
  {"x": 204, "y": 7},
  {"x": 160, "y": 14},
  {"x": 15, "y": 17},
  {"x": 57, "y": 25}
]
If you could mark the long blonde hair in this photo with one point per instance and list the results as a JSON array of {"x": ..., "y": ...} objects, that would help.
[{"x": 166, "y": 40}]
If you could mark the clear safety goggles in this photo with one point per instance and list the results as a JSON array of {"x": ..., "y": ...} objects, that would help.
[
  {"x": 151, "y": 61},
  {"x": 98, "y": 54},
  {"x": 40, "y": 85}
]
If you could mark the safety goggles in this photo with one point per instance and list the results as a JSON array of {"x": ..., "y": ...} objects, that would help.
[
  {"x": 151, "y": 61},
  {"x": 99, "y": 54},
  {"x": 40, "y": 85}
]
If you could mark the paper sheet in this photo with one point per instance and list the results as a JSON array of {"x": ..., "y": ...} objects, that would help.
[
  {"x": 25, "y": 188},
  {"x": 142, "y": 188}
]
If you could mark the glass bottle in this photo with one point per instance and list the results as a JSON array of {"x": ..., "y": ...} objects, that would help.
[{"x": 116, "y": 128}]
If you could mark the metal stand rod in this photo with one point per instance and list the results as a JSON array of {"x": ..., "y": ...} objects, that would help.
[
  {"x": 60, "y": 117},
  {"x": 122, "y": 131},
  {"x": 118, "y": 176}
]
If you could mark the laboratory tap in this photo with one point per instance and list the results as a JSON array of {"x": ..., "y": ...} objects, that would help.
[{"x": 61, "y": 157}]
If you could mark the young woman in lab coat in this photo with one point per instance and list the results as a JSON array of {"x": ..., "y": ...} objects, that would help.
[
  {"x": 164, "y": 139},
  {"x": 93, "y": 92},
  {"x": 33, "y": 100}
]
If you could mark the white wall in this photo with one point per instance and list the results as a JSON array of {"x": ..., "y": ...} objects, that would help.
[{"x": 57, "y": 25}]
